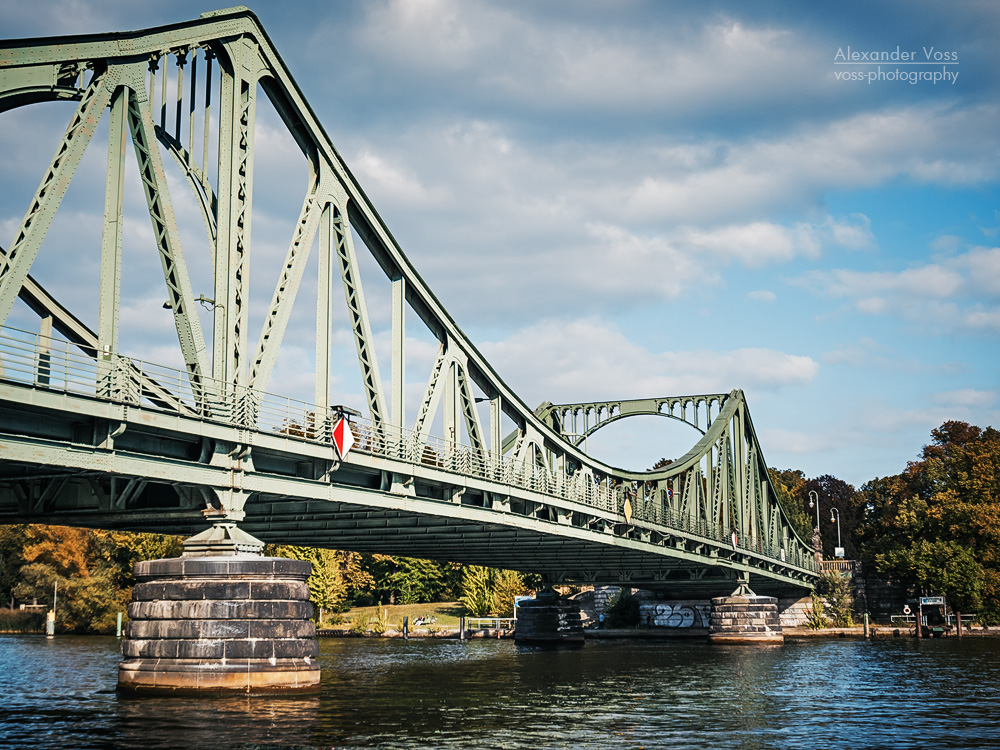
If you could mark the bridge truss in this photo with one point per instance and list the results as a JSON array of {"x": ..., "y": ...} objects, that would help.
[{"x": 90, "y": 436}]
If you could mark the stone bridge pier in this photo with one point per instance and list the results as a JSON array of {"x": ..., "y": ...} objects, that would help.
[
  {"x": 743, "y": 617},
  {"x": 220, "y": 618}
]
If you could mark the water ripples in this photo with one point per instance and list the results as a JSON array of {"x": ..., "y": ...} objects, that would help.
[{"x": 485, "y": 694}]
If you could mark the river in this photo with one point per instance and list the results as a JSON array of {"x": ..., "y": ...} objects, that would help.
[{"x": 897, "y": 693}]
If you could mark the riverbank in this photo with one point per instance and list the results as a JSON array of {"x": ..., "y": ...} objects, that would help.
[{"x": 639, "y": 634}]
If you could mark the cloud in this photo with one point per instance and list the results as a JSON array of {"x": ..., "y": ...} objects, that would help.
[
  {"x": 969, "y": 397},
  {"x": 525, "y": 57},
  {"x": 957, "y": 293},
  {"x": 588, "y": 358},
  {"x": 867, "y": 353}
]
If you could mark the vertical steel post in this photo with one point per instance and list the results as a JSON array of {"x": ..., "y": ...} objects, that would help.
[
  {"x": 44, "y": 375},
  {"x": 324, "y": 309},
  {"x": 111, "y": 239},
  {"x": 398, "y": 399}
]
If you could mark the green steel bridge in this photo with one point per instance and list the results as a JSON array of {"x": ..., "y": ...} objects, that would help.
[{"x": 92, "y": 437}]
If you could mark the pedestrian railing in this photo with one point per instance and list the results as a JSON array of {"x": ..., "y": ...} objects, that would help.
[{"x": 489, "y": 623}]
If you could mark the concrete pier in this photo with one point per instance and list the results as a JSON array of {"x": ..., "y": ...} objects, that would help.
[
  {"x": 220, "y": 623},
  {"x": 548, "y": 619},
  {"x": 745, "y": 618}
]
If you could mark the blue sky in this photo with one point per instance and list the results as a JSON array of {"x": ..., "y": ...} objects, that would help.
[{"x": 625, "y": 199}]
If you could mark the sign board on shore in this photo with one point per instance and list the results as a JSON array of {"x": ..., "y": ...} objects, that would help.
[{"x": 926, "y": 601}]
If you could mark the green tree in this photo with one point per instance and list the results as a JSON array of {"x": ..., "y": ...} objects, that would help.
[
  {"x": 836, "y": 589},
  {"x": 478, "y": 594},
  {"x": 408, "y": 580},
  {"x": 327, "y": 590},
  {"x": 12, "y": 541},
  {"x": 789, "y": 484},
  {"x": 507, "y": 585}
]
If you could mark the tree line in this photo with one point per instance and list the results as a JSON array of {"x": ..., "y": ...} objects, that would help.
[
  {"x": 90, "y": 573},
  {"x": 935, "y": 527}
]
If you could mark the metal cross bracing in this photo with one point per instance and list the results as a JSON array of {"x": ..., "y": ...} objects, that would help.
[{"x": 91, "y": 436}]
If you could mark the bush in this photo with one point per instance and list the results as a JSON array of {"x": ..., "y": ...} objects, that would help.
[
  {"x": 622, "y": 611},
  {"x": 22, "y": 621},
  {"x": 816, "y": 619},
  {"x": 359, "y": 625},
  {"x": 839, "y": 602},
  {"x": 380, "y": 623}
]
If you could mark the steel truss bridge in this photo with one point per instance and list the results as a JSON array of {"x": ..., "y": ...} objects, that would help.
[{"x": 92, "y": 437}]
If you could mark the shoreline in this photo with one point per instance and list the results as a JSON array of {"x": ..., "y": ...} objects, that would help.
[{"x": 791, "y": 634}]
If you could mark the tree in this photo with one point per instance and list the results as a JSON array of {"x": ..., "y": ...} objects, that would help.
[
  {"x": 835, "y": 493},
  {"x": 327, "y": 589},
  {"x": 937, "y": 524},
  {"x": 508, "y": 585},
  {"x": 789, "y": 486},
  {"x": 623, "y": 610},
  {"x": 408, "y": 580},
  {"x": 12, "y": 541},
  {"x": 478, "y": 596},
  {"x": 836, "y": 589}
]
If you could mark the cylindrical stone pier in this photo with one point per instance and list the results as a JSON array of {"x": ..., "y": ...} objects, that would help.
[
  {"x": 745, "y": 619},
  {"x": 232, "y": 623},
  {"x": 548, "y": 619}
]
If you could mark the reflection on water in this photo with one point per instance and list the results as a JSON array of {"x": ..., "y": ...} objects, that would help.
[{"x": 448, "y": 694}]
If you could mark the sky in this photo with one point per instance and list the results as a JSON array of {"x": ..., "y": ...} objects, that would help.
[{"x": 623, "y": 200}]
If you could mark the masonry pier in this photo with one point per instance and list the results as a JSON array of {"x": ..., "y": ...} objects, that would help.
[
  {"x": 220, "y": 618},
  {"x": 743, "y": 617},
  {"x": 549, "y": 619}
]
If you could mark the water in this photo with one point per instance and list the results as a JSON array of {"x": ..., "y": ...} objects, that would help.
[{"x": 897, "y": 693}]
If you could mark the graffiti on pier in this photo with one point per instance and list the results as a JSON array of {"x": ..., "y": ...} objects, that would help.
[{"x": 678, "y": 615}]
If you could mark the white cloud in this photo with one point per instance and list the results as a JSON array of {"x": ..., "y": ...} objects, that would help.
[
  {"x": 969, "y": 397},
  {"x": 762, "y": 295},
  {"x": 591, "y": 359},
  {"x": 955, "y": 293}
]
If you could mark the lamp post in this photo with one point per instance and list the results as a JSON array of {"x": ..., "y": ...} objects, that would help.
[
  {"x": 832, "y": 511},
  {"x": 817, "y": 537}
]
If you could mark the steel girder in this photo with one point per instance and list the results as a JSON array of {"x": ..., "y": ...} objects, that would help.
[{"x": 721, "y": 484}]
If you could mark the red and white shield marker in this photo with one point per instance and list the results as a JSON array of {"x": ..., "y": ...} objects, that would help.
[
  {"x": 734, "y": 540},
  {"x": 343, "y": 438}
]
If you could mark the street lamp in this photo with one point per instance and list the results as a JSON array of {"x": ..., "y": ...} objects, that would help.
[
  {"x": 832, "y": 511},
  {"x": 814, "y": 501}
]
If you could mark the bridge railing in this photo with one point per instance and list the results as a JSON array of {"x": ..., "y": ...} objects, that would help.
[{"x": 61, "y": 366}]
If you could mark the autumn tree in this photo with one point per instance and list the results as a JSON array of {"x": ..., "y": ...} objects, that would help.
[
  {"x": 508, "y": 585},
  {"x": 937, "y": 524}
]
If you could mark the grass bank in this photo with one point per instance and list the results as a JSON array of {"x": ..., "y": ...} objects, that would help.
[{"x": 448, "y": 614}]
